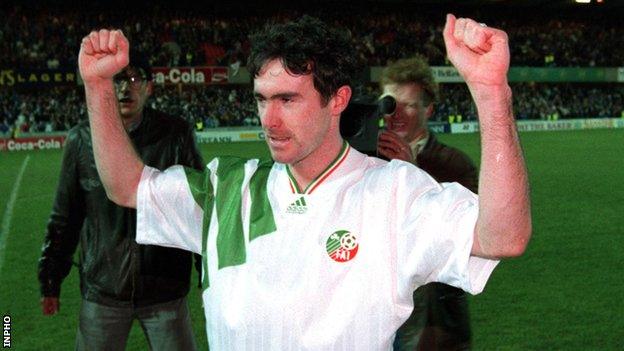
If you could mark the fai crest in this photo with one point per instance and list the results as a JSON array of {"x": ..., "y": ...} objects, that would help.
[{"x": 342, "y": 246}]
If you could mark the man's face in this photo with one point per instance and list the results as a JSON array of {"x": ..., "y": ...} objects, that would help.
[
  {"x": 411, "y": 115},
  {"x": 132, "y": 89},
  {"x": 295, "y": 122}
]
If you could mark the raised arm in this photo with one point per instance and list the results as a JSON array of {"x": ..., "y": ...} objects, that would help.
[
  {"x": 103, "y": 54},
  {"x": 481, "y": 55}
]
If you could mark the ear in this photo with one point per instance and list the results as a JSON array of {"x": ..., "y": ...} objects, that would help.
[
  {"x": 340, "y": 100},
  {"x": 149, "y": 88},
  {"x": 428, "y": 111}
]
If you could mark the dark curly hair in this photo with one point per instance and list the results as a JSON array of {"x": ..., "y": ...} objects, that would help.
[
  {"x": 306, "y": 46},
  {"x": 139, "y": 60}
]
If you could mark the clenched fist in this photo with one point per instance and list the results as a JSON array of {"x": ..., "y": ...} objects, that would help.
[
  {"x": 50, "y": 305},
  {"x": 480, "y": 53},
  {"x": 103, "y": 54}
]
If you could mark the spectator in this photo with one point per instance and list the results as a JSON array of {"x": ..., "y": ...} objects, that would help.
[{"x": 120, "y": 281}]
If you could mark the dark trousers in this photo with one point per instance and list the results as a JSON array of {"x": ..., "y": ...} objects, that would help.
[
  {"x": 167, "y": 326},
  {"x": 440, "y": 320}
]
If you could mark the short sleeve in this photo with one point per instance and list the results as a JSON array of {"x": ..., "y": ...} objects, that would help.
[
  {"x": 168, "y": 212},
  {"x": 435, "y": 236}
]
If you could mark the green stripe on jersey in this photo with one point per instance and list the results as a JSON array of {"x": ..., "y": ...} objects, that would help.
[
  {"x": 201, "y": 188},
  {"x": 202, "y": 191},
  {"x": 231, "y": 246},
  {"x": 230, "y": 239},
  {"x": 261, "y": 219}
]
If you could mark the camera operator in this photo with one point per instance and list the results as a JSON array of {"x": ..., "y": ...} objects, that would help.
[{"x": 440, "y": 318}]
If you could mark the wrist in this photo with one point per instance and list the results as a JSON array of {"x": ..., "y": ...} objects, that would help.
[
  {"x": 494, "y": 103},
  {"x": 95, "y": 84},
  {"x": 490, "y": 94},
  {"x": 50, "y": 289}
]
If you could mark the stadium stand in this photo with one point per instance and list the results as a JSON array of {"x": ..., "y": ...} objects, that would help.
[
  {"x": 60, "y": 108},
  {"x": 43, "y": 38}
]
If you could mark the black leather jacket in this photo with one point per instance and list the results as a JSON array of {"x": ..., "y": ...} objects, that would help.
[{"x": 114, "y": 269}]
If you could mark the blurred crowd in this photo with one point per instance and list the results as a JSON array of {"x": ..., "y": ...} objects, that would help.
[
  {"x": 33, "y": 37},
  {"x": 540, "y": 101},
  {"x": 50, "y": 37},
  {"x": 211, "y": 107},
  {"x": 60, "y": 108}
]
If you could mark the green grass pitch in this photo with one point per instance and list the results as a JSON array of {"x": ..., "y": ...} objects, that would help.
[{"x": 565, "y": 293}]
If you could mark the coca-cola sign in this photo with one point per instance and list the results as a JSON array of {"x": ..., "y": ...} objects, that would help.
[
  {"x": 32, "y": 143},
  {"x": 190, "y": 75}
]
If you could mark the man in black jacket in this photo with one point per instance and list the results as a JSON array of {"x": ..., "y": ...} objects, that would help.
[
  {"x": 440, "y": 318},
  {"x": 120, "y": 280}
]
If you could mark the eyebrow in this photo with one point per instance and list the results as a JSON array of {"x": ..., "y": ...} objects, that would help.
[{"x": 286, "y": 95}]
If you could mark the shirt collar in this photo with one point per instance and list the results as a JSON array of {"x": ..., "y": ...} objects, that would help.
[
  {"x": 419, "y": 144},
  {"x": 342, "y": 155}
]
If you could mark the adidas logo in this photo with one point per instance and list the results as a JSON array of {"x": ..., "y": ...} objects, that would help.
[{"x": 298, "y": 207}]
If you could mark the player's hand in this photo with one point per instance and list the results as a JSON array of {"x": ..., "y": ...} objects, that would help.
[
  {"x": 480, "y": 53},
  {"x": 103, "y": 54},
  {"x": 392, "y": 146},
  {"x": 50, "y": 305}
]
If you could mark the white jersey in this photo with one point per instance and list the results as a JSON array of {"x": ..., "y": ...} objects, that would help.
[{"x": 332, "y": 267}]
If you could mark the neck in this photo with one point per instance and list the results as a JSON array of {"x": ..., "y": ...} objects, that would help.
[
  {"x": 130, "y": 123},
  {"x": 308, "y": 169},
  {"x": 421, "y": 134}
]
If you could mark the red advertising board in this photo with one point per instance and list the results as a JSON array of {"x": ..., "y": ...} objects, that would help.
[
  {"x": 190, "y": 75},
  {"x": 32, "y": 143}
]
